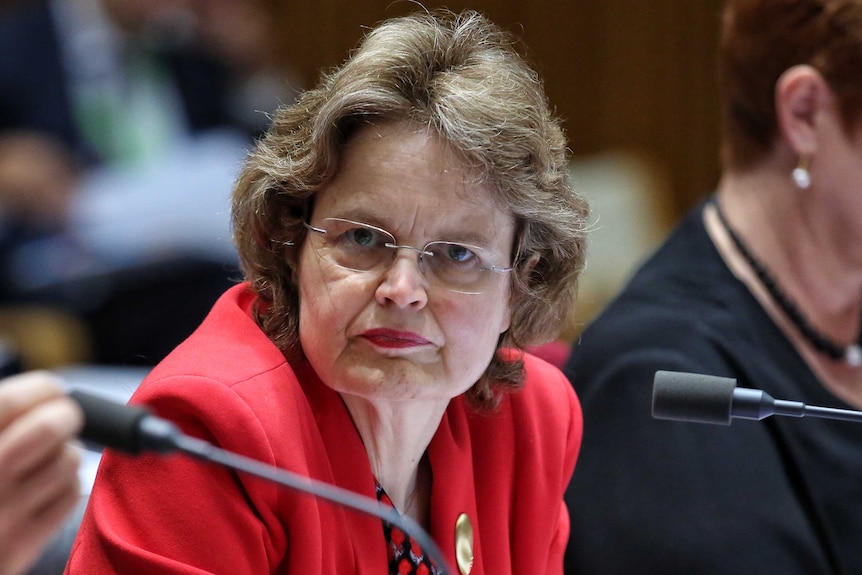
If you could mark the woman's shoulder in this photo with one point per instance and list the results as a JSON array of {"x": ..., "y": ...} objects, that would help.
[
  {"x": 535, "y": 432},
  {"x": 544, "y": 412},
  {"x": 219, "y": 404},
  {"x": 225, "y": 376},
  {"x": 228, "y": 347},
  {"x": 547, "y": 392},
  {"x": 545, "y": 387}
]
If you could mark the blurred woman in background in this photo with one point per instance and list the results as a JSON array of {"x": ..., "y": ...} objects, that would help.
[{"x": 761, "y": 283}]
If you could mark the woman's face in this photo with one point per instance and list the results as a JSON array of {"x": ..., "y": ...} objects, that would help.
[{"x": 388, "y": 334}]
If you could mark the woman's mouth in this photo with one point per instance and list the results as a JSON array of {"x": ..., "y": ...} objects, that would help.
[{"x": 394, "y": 339}]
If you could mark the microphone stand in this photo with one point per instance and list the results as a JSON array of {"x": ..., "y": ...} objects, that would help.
[{"x": 757, "y": 404}]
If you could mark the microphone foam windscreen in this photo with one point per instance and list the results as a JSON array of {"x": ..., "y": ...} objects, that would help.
[
  {"x": 109, "y": 423},
  {"x": 692, "y": 397}
]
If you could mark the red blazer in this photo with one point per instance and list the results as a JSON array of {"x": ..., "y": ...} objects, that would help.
[{"x": 229, "y": 385}]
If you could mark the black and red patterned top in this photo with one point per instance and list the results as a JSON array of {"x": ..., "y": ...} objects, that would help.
[{"x": 406, "y": 557}]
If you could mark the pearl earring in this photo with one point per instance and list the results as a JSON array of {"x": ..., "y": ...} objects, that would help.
[{"x": 800, "y": 174}]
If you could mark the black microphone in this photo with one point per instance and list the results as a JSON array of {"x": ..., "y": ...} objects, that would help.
[
  {"x": 133, "y": 430},
  {"x": 127, "y": 428},
  {"x": 711, "y": 399}
]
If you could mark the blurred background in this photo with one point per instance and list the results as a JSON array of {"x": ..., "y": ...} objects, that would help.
[{"x": 123, "y": 123}]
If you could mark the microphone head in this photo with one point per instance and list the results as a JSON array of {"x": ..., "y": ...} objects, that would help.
[
  {"x": 692, "y": 397},
  {"x": 109, "y": 423}
]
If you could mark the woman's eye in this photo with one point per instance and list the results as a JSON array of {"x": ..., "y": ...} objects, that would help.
[
  {"x": 362, "y": 237},
  {"x": 459, "y": 254}
]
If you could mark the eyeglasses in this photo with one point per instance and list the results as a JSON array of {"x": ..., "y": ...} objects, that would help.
[{"x": 365, "y": 248}]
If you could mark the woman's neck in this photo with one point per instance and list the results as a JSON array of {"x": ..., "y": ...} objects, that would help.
[
  {"x": 396, "y": 435},
  {"x": 785, "y": 230},
  {"x": 780, "y": 226}
]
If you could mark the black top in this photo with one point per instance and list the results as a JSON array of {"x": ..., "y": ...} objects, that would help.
[{"x": 782, "y": 495}]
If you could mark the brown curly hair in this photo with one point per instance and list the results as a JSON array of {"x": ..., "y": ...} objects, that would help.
[{"x": 462, "y": 77}]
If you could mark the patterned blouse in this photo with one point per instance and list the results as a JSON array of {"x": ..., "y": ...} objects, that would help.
[{"x": 405, "y": 555}]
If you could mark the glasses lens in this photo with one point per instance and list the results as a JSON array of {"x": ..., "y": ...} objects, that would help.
[
  {"x": 458, "y": 267},
  {"x": 354, "y": 245}
]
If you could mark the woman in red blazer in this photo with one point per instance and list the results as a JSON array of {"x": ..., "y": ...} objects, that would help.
[{"x": 406, "y": 229}]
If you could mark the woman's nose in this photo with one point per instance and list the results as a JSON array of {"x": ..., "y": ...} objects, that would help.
[{"x": 403, "y": 284}]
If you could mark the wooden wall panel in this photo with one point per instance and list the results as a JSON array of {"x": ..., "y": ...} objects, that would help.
[{"x": 648, "y": 83}]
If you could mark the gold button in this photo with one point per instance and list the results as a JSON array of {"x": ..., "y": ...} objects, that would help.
[{"x": 464, "y": 544}]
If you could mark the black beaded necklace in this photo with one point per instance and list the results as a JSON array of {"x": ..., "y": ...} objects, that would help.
[{"x": 852, "y": 354}]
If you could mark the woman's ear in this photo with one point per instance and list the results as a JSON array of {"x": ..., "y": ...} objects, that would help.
[
  {"x": 528, "y": 267},
  {"x": 524, "y": 273},
  {"x": 802, "y": 101}
]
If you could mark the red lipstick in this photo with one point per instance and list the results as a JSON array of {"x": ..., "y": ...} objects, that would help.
[{"x": 391, "y": 338}]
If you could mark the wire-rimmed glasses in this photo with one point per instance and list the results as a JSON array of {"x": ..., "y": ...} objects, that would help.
[{"x": 362, "y": 247}]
